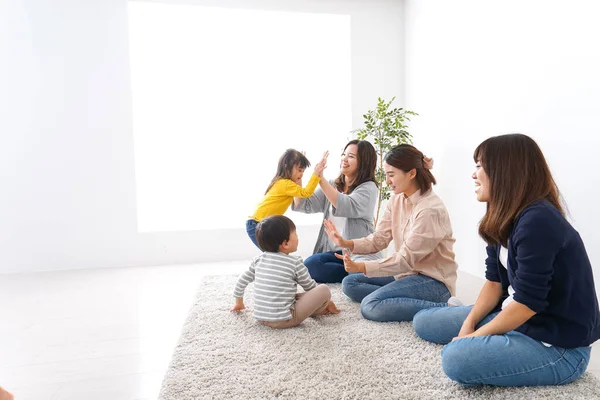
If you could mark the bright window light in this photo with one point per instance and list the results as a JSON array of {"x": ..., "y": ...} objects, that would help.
[{"x": 218, "y": 95}]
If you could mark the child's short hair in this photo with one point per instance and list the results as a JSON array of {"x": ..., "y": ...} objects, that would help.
[{"x": 272, "y": 231}]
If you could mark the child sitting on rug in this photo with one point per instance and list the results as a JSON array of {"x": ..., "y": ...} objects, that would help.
[{"x": 276, "y": 275}]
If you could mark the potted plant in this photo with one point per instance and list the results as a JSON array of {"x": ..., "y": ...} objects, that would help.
[{"x": 385, "y": 127}]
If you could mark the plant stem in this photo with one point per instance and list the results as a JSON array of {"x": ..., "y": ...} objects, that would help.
[{"x": 380, "y": 189}]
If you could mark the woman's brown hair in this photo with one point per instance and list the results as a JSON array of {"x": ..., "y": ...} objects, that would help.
[
  {"x": 519, "y": 175},
  {"x": 367, "y": 162},
  {"x": 406, "y": 157}
]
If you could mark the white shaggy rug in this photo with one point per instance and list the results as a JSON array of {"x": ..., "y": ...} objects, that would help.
[{"x": 221, "y": 355}]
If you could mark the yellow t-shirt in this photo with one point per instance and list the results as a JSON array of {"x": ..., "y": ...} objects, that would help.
[{"x": 280, "y": 197}]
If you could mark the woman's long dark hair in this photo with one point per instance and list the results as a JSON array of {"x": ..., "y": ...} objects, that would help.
[
  {"x": 286, "y": 164},
  {"x": 518, "y": 175},
  {"x": 367, "y": 163}
]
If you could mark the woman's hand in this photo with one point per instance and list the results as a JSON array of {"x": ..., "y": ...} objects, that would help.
[
  {"x": 333, "y": 234},
  {"x": 349, "y": 265},
  {"x": 463, "y": 337},
  {"x": 467, "y": 330},
  {"x": 321, "y": 165}
]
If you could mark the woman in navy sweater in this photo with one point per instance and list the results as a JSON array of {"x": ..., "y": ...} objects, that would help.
[{"x": 537, "y": 314}]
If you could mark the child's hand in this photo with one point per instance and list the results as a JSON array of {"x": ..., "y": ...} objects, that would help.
[
  {"x": 239, "y": 305},
  {"x": 321, "y": 165}
]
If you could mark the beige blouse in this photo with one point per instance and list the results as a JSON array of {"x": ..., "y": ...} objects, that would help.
[{"x": 420, "y": 227}]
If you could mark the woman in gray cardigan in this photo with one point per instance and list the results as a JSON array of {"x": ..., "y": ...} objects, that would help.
[{"x": 349, "y": 202}]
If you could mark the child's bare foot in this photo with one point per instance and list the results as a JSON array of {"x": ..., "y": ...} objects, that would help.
[{"x": 330, "y": 309}]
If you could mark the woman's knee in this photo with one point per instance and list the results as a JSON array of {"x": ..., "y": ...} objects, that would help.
[
  {"x": 372, "y": 309},
  {"x": 368, "y": 309},
  {"x": 422, "y": 324},
  {"x": 313, "y": 264},
  {"x": 348, "y": 283},
  {"x": 456, "y": 361}
]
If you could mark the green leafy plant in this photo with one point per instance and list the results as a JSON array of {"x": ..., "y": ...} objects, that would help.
[{"x": 385, "y": 127}]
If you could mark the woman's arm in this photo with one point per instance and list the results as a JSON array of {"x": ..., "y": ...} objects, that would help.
[
  {"x": 536, "y": 241},
  {"x": 488, "y": 299},
  {"x": 510, "y": 318},
  {"x": 330, "y": 192},
  {"x": 427, "y": 231},
  {"x": 381, "y": 238},
  {"x": 358, "y": 204}
]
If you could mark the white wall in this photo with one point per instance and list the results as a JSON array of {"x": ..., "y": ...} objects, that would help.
[
  {"x": 477, "y": 69},
  {"x": 66, "y": 145}
]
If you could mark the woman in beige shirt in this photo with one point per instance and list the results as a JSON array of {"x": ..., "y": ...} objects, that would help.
[{"x": 421, "y": 273}]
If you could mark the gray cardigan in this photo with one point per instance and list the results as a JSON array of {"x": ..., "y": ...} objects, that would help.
[{"x": 357, "y": 207}]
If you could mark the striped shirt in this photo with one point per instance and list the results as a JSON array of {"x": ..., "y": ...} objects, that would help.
[{"x": 275, "y": 276}]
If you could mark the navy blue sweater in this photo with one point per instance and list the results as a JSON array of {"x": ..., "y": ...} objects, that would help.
[{"x": 551, "y": 274}]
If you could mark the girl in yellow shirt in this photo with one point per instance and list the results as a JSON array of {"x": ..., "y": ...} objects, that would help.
[{"x": 285, "y": 185}]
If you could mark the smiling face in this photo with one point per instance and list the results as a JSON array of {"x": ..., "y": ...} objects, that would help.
[
  {"x": 482, "y": 183},
  {"x": 400, "y": 181},
  {"x": 349, "y": 166},
  {"x": 297, "y": 173}
]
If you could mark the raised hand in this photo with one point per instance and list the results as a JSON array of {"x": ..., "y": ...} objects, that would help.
[
  {"x": 349, "y": 265},
  {"x": 321, "y": 165},
  {"x": 333, "y": 233}
]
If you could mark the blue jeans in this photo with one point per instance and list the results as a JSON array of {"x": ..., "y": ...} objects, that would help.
[
  {"x": 512, "y": 359},
  {"x": 251, "y": 231},
  {"x": 388, "y": 299},
  {"x": 326, "y": 267}
]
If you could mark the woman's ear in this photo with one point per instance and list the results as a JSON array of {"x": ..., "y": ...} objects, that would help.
[{"x": 412, "y": 173}]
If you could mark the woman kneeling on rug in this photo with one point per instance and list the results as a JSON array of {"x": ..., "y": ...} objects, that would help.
[
  {"x": 422, "y": 271},
  {"x": 537, "y": 314},
  {"x": 349, "y": 202}
]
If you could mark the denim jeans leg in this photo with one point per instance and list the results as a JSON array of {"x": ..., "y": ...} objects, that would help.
[
  {"x": 326, "y": 267},
  {"x": 358, "y": 286},
  {"x": 401, "y": 299},
  {"x": 512, "y": 359},
  {"x": 251, "y": 231},
  {"x": 441, "y": 324}
]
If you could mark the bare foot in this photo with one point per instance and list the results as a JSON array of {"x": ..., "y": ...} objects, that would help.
[{"x": 330, "y": 309}]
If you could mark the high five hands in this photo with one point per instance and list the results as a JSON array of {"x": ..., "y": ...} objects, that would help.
[{"x": 321, "y": 165}]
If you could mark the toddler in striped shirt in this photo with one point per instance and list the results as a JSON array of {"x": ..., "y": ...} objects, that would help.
[{"x": 276, "y": 275}]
